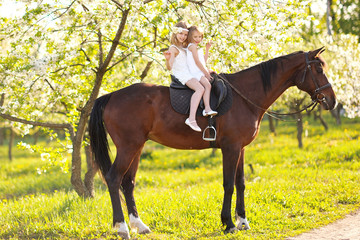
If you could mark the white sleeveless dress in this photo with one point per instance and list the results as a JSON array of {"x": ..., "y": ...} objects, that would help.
[
  {"x": 194, "y": 70},
  {"x": 180, "y": 68}
]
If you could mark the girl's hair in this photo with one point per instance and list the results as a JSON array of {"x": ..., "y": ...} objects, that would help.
[
  {"x": 173, "y": 39},
  {"x": 192, "y": 30}
]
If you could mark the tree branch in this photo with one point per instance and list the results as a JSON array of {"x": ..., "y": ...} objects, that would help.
[
  {"x": 196, "y": 2},
  {"x": 86, "y": 56},
  {"x": 119, "y": 61},
  {"x": 101, "y": 52},
  {"x": 39, "y": 124},
  {"x": 2, "y": 99},
  {"x": 146, "y": 70},
  {"x": 124, "y": 57},
  {"x": 117, "y": 4},
  {"x": 115, "y": 40}
]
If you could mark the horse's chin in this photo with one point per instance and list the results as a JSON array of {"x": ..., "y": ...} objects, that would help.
[{"x": 329, "y": 103}]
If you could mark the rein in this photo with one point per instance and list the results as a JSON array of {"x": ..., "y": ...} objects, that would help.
[
  {"x": 312, "y": 105},
  {"x": 315, "y": 97}
]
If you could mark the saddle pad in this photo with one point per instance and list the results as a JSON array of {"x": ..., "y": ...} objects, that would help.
[{"x": 180, "y": 101}]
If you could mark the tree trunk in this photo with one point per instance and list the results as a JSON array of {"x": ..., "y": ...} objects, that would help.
[
  {"x": 2, "y": 135},
  {"x": 322, "y": 119},
  {"x": 36, "y": 137},
  {"x": 271, "y": 124},
  {"x": 76, "y": 180},
  {"x": 2, "y": 129},
  {"x": 91, "y": 171},
  {"x": 299, "y": 129},
  {"x": 336, "y": 113},
  {"x": 11, "y": 143},
  {"x": 328, "y": 17}
]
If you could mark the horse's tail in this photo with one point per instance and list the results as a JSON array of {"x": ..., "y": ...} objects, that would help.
[{"x": 98, "y": 138}]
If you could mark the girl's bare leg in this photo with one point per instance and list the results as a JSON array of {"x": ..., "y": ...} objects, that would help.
[
  {"x": 195, "y": 85},
  {"x": 207, "y": 86}
]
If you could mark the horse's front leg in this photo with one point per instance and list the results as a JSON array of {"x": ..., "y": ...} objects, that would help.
[
  {"x": 241, "y": 221},
  {"x": 128, "y": 184},
  {"x": 231, "y": 155}
]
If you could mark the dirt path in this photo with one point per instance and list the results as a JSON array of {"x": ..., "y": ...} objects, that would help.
[{"x": 347, "y": 228}]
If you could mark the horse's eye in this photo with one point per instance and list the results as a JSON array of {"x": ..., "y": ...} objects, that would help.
[{"x": 319, "y": 69}]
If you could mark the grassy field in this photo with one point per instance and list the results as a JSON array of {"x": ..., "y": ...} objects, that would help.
[{"x": 179, "y": 193}]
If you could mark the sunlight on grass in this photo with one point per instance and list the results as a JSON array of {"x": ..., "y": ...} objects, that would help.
[{"x": 179, "y": 193}]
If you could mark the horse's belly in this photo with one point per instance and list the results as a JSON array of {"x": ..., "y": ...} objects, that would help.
[{"x": 178, "y": 141}]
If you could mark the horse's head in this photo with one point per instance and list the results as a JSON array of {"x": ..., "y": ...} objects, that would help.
[{"x": 314, "y": 81}]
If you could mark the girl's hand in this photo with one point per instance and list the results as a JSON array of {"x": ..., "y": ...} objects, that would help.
[
  {"x": 208, "y": 76},
  {"x": 167, "y": 55},
  {"x": 208, "y": 44}
]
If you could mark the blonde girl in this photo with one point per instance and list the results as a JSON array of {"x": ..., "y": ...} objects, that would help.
[{"x": 196, "y": 61}]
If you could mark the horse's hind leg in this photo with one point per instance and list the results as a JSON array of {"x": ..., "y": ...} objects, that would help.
[
  {"x": 241, "y": 222},
  {"x": 114, "y": 177},
  {"x": 128, "y": 184}
]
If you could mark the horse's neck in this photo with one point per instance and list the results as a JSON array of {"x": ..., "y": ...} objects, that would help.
[
  {"x": 249, "y": 82},
  {"x": 282, "y": 80},
  {"x": 280, "y": 83}
]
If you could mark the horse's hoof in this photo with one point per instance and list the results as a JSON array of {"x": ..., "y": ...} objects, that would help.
[
  {"x": 122, "y": 230},
  {"x": 137, "y": 225},
  {"x": 124, "y": 235},
  {"x": 242, "y": 223},
  {"x": 231, "y": 230},
  {"x": 145, "y": 231}
]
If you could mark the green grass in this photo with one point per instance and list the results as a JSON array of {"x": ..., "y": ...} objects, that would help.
[{"x": 179, "y": 193}]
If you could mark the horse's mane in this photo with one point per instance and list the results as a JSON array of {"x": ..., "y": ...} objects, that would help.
[{"x": 268, "y": 69}]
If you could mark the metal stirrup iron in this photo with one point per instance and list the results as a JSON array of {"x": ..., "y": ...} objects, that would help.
[{"x": 210, "y": 131}]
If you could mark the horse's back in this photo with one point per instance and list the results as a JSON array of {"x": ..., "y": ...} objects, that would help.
[{"x": 133, "y": 109}]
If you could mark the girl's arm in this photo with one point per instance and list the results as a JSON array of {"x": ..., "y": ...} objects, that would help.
[
  {"x": 170, "y": 57},
  {"x": 194, "y": 52},
  {"x": 208, "y": 46}
]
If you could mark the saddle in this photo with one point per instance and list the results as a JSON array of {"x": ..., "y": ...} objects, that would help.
[{"x": 220, "y": 96}]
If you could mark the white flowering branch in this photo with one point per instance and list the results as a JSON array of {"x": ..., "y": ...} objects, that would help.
[{"x": 40, "y": 124}]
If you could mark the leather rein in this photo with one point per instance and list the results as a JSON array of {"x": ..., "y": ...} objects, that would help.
[{"x": 317, "y": 97}]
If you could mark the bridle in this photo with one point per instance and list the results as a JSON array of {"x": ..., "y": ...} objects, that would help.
[{"x": 317, "y": 97}]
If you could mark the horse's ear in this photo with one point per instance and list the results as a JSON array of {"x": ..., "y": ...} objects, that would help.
[{"x": 316, "y": 53}]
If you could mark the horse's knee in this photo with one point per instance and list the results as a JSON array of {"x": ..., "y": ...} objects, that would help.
[
  {"x": 113, "y": 182},
  {"x": 241, "y": 186},
  {"x": 228, "y": 188},
  {"x": 128, "y": 184}
]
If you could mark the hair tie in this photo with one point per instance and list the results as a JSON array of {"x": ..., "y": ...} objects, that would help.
[{"x": 179, "y": 29}]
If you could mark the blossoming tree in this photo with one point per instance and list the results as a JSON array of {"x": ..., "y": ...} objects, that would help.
[{"x": 60, "y": 55}]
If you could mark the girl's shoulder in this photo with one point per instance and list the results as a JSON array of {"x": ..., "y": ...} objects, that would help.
[
  {"x": 174, "y": 48},
  {"x": 191, "y": 46}
]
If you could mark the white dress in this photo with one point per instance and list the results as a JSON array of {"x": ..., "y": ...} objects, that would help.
[
  {"x": 180, "y": 68},
  {"x": 194, "y": 69}
]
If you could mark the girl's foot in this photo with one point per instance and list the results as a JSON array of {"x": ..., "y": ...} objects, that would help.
[
  {"x": 209, "y": 113},
  {"x": 193, "y": 125}
]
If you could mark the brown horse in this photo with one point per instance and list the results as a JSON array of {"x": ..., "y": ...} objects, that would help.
[{"x": 142, "y": 111}]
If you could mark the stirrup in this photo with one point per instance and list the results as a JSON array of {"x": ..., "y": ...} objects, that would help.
[{"x": 209, "y": 138}]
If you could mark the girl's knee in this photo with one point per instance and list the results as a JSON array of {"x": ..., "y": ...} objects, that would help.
[
  {"x": 205, "y": 82},
  {"x": 200, "y": 89}
]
